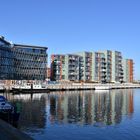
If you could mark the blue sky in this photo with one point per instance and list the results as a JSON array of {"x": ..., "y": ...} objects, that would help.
[{"x": 68, "y": 26}]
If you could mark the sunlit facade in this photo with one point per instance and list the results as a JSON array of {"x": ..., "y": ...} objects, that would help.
[
  {"x": 128, "y": 66},
  {"x": 6, "y": 60},
  {"x": 57, "y": 67},
  {"x": 100, "y": 67},
  {"x": 22, "y": 62},
  {"x": 85, "y": 65}
]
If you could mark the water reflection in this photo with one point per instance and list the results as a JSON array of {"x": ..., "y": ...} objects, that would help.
[
  {"x": 73, "y": 107},
  {"x": 88, "y": 107},
  {"x": 33, "y": 114}
]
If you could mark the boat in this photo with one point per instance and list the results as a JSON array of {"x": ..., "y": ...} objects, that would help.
[
  {"x": 27, "y": 88},
  {"x": 8, "y": 112},
  {"x": 5, "y": 106},
  {"x": 102, "y": 88}
]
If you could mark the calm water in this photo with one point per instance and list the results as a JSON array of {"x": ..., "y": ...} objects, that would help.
[{"x": 81, "y": 115}]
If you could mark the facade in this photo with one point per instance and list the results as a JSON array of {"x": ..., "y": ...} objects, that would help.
[
  {"x": 114, "y": 70},
  {"x": 48, "y": 73},
  {"x": 57, "y": 67},
  {"x": 98, "y": 67},
  {"x": 117, "y": 70},
  {"x": 131, "y": 70},
  {"x": 22, "y": 62},
  {"x": 65, "y": 67},
  {"x": 108, "y": 59},
  {"x": 72, "y": 67},
  {"x": 85, "y": 66},
  {"x": 6, "y": 60},
  {"x": 102, "y": 67},
  {"x": 128, "y": 70}
]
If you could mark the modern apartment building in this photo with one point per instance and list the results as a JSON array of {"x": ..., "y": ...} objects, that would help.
[
  {"x": 65, "y": 67},
  {"x": 57, "y": 67},
  {"x": 48, "y": 73},
  {"x": 85, "y": 66},
  {"x": 128, "y": 70},
  {"x": 103, "y": 66},
  {"x": 108, "y": 60},
  {"x": 72, "y": 67},
  {"x": 114, "y": 70},
  {"x": 98, "y": 67},
  {"x": 117, "y": 70},
  {"x": 22, "y": 62}
]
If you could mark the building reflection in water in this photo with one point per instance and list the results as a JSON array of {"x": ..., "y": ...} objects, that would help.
[
  {"x": 91, "y": 107},
  {"x": 73, "y": 107},
  {"x": 33, "y": 112}
]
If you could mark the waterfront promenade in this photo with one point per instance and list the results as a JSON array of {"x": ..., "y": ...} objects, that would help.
[
  {"x": 90, "y": 86},
  {"x": 72, "y": 86},
  {"x": 7, "y": 132}
]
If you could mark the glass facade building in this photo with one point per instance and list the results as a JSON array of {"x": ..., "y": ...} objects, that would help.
[{"x": 22, "y": 62}]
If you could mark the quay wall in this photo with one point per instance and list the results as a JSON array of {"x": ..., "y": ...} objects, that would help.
[
  {"x": 8, "y": 132},
  {"x": 75, "y": 86}
]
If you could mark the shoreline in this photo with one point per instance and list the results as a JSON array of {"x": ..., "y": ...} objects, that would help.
[{"x": 75, "y": 86}]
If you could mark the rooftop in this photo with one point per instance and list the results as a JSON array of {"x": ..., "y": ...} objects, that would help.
[{"x": 21, "y": 45}]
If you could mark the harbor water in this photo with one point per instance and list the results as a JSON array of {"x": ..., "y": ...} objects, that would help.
[{"x": 80, "y": 115}]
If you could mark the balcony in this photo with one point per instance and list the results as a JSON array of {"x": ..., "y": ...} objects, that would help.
[
  {"x": 72, "y": 58},
  {"x": 103, "y": 76},
  {"x": 71, "y": 70},
  {"x": 57, "y": 74},
  {"x": 88, "y": 55},
  {"x": 103, "y": 71},
  {"x": 88, "y": 64},
  {"x": 73, "y": 73},
  {"x": 72, "y": 64},
  {"x": 81, "y": 65},
  {"x": 73, "y": 78},
  {"x": 87, "y": 73},
  {"x": 103, "y": 67},
  {"x": 103, "y": 63}
]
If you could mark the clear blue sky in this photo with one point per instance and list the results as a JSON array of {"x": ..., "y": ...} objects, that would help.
[{"x": 68, "y": 26}]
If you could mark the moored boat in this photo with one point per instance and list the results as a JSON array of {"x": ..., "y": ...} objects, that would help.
[{"x": 5, "y": 106}]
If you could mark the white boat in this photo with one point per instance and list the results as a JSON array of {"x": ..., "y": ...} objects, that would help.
[
  {"x": 29, "y": 86},
  {"x": 102, "y": 88}
]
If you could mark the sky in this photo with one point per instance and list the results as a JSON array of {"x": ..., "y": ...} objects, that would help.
[{"x": 68, "y": 26}]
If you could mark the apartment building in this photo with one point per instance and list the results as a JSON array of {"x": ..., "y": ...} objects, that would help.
[
  {"x": 65, "y": 67},
  {"x": 98, "y": 67},
  {"x": 48, "y": 73},
  {"x": 103, "y": 66},
  {"x": 72, "y": 67},
  {"x": 128, "y": 70},
  {"x": 114, "y": 70},
  {"x": 117, "y": 70},
  {"x": 108, "y": 60},
  {"x": 85, "y": 66},
  {"x": 57, "y": 67}
]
